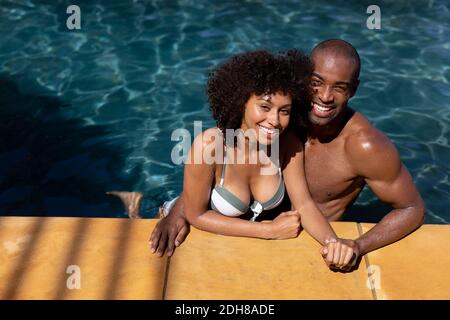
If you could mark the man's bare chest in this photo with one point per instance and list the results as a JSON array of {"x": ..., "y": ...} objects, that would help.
[{"x": 328, "y": 172}]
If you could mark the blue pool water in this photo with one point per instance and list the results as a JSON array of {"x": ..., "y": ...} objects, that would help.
[{"x": 91, "y": 110}]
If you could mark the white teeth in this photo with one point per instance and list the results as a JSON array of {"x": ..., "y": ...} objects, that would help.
[
  {"x": 267, "y": 130},
  {"x": 320, "y": 108}
]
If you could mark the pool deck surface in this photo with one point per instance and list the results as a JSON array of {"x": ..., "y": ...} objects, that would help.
[{"x": 96, "y": 258}]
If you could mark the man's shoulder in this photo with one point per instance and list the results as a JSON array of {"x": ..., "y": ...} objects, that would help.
[
  {"x": 369, "y": 149},
  {"x": 363, "y": 138}
]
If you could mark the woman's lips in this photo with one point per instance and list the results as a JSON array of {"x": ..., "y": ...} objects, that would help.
[{"x": 268, "y": 132}]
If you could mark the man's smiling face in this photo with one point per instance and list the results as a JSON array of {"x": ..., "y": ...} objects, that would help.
[{"x": 333, "y": 83}]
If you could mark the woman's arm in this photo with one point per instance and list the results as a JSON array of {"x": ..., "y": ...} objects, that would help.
[
  {"x": 312, "y": 218},
  {"x": 198, "y": 180}
]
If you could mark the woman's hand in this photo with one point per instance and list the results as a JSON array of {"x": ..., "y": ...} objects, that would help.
[
  {"x": 287, "y": 225},
  {"x": 340, "y": 254}
]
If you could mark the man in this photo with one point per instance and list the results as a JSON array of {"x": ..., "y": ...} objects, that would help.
[{"x": 343, "y": 153}]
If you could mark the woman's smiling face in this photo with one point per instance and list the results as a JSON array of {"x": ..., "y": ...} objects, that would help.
[{"x": 268, "y": 115}]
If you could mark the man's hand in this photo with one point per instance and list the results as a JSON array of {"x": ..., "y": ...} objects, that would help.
[
  {"x": 169, "y": 233},
  {"x": 341, "y": 254}
]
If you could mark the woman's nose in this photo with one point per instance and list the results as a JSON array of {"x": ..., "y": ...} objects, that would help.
[{"x": 274, "y": 118}]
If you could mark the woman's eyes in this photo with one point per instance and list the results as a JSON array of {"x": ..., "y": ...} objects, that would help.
[
  {"x": 315, "y": 83},
  {"x": 267, "y": 108}
]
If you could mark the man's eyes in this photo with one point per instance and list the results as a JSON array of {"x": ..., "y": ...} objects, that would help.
[
  {"x": 341, "y": 89},
  {"x": 316, "y": 83}
]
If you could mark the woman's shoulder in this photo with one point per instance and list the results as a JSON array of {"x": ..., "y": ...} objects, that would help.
[
  {"x": 207, "y": 145},
  {"x": 207, "y": 137}
]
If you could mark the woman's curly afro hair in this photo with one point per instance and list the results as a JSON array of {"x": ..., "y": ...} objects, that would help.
[{"x": 232, "y": 84}]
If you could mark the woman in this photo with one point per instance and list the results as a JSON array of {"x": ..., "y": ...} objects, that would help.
[
  {"x": 253, "y": 92},
  {"x": 257, "y": 94}
]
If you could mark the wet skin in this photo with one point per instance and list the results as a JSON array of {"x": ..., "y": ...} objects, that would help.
[
  {"x": 343, "y": 153},
  {"x": 345, "y": 146},
  {"x": 325, "y": 147},
  {"x": 336, "y": 190}
]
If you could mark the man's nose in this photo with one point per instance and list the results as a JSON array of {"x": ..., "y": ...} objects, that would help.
[{"x": 326, "y": 95}]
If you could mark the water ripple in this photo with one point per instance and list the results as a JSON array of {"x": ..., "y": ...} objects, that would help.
[{"x": 139, "y": 68}]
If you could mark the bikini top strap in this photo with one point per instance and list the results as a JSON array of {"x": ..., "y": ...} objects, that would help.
[{"x": 222, "y": 177}]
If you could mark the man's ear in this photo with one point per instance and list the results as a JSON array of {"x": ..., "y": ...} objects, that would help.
[{"x": 355, "y": 87}]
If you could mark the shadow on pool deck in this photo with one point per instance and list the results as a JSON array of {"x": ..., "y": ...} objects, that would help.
[{"x": 112, "y": 257}]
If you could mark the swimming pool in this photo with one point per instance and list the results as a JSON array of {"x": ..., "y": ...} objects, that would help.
[{"x": 90, "y": 110}]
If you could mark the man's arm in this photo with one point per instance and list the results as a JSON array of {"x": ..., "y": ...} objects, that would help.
[
  {"x": 170, "y": 231},
  {"x": 375, "y": 158}
]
